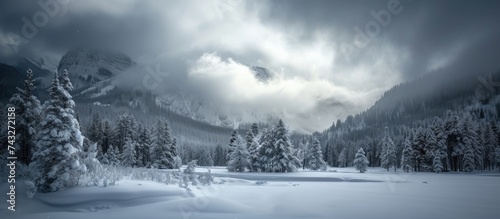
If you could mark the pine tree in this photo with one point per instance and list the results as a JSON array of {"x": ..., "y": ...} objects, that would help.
[
  {"x": 360, "y": 162},
  {"x": 342, "y": 159},
  {"x": 125, "y": 125},
  {"x": 161, "y": 155},
  {"x": 177, "y": 162},
  {"x": 429, "y": 151},
  {"x": 437, "y": 166},
  {"x": 205, "y": 158},
  {"x": 113, "y": 155},
  {"x": 239, "y": 159},
  {"x": 234, "y": 136},
  {"x": 303, "y": 153},
  {"x": 315, "y": 158},
  {"x": 220, "y": 156},
  {"x": 467, "y": 151},
  {"x": 128, "y": 156},
  {"x": 496, "y": 135},
  {"x": 497, "y": 157},
  {"x": 28, "y": 117},
  {"x": 283, "y": 160},
  {"x": 65, "y": 82},
  {"x": 106, "y": 136},
  {"x": 490, "y": 142},
  {"x": 479, "y": 148},
  {"x": 249, "y": 139},
  {"x": 406, "y": 155},
  {"x": 173, "y": 148},
  {"x": 495, "y": 131},
  {"x": 469, "y": 162},
  {"x": 104, "y": 160},
  {"x": 144, "y": 147},
  {"x": 255, "y": 129},
  {"x": 266, "y": 150},
  {"x": 139, "y": 155},
  {"x": 388, "y": 156},
  {"x": 94, "y": 131},
  {"x": 100, "y": 154},
  {"x": 332, "y": 154},
  {"x": 326, "y": 153},
  {"x": 439, "y": 132},
  {"x": 169, "y": 152},
  {"x": 254, "y": 155},
  {"x": 452, "y": 138},
  {"x": 59, "y": 144}
]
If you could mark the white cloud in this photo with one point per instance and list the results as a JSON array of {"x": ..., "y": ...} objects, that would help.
[
  {"x": 314, "y": 84},
  {"x": 302, "y": 99}
]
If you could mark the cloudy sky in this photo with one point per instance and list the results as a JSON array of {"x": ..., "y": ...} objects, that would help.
[{"x": 330, "y": 58}]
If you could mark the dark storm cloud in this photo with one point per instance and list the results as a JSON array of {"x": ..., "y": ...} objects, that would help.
[
  {"x": 432, "y": 31},
  {"x": 71, "y": 27}
]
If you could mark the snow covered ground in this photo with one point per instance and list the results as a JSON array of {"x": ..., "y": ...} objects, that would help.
[{"x": 305, "y": 194}]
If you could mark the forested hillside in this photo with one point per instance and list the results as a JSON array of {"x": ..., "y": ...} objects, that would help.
[{"x": 440, "y": 117}]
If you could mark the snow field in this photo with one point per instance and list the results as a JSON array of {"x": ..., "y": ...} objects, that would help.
[{"x": 305, "y": 194}]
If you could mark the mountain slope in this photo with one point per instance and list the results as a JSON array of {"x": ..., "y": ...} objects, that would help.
[
  {"x": 421, "y": 100},
  {"x": 88, "y": 67}
]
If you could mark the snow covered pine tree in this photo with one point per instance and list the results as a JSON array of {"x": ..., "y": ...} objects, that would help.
[
  {"x": 315, "y": 158},
  {"x": 59, "y": 144},
  {"x": 284, "y": 160},
  {"x": 388, "y": 155},
  {"x": 239, "y": 159},
  {"x": 361, "y": 163},
  {"x": 28, "y": 113},
  {"x": 406, "y": 155}
]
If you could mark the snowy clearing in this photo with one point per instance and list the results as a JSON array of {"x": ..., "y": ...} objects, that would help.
[{"x": 305, "y": 194}]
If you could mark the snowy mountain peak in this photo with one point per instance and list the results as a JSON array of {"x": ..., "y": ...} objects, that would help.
[{"x": 88, "y": 66}]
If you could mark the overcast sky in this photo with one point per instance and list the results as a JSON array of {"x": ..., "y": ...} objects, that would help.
[{"x": 331, "y": 58}]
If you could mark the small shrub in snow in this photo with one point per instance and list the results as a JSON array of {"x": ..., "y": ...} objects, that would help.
[
  {"x": 90, "y": 159},
  {"x": 190, "y": 167},
  {"x": 324, "y": 167},
  {"x": 30, "y": 189},
  {"x": 189, "y": 174},
  {"x": 205, "y": 178}
]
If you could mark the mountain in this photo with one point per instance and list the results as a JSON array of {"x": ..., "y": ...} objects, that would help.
[
  {"x": 12, "y": 76},
  {"x": 419, "y": 101},
  {"x": 88, "y": 67},
  {"x": 94, "y": 74},
  {"x": 200, "y": 109},
  {"x": 106, "y": 90}
]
